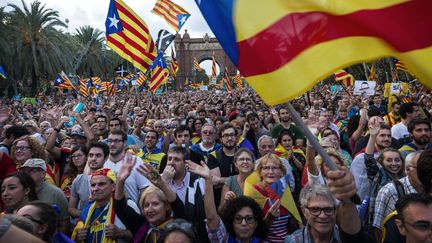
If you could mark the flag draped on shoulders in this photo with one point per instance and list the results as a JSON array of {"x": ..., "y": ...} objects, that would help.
[
  {"x": 159, "y": 73},
  {"x": 278, "y": 190},
  {"x": 284, "y": 47},
  {"x": 173, "y": 14},
  {"x": 127, "y": 34}
]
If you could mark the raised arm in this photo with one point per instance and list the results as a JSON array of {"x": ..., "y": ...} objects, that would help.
[
  {"x": 212, "y": 216},
  {"x": 153, "y": 176}
]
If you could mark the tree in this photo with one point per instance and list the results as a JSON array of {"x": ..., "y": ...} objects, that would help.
[
  {"x": 89, "y": 59},
  {"x": 38, "y": 47}
]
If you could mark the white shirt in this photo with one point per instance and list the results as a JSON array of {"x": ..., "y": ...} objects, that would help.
[
  {"x": 358, "y": 169},
  {"x": 134, "y": 183},
  {"x": 399, "y": 131}
]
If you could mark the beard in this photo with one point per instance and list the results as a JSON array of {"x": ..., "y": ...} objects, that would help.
[{"x": 423, "y": 140}]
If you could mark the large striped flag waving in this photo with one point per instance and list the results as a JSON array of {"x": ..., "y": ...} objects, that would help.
[
  {"x": 83, "y": 88},
  {"x": 174, "y": 67},
  {"x": 284, "y": 48},
  {"x": 344, "y": 77},
  {"x": 174, "y": 15},
  {"x": 159, "y": 73},
  {"x": 127, "y": 34}
]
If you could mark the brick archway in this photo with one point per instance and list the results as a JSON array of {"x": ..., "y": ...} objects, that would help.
[{"x": 202, "y": 49}]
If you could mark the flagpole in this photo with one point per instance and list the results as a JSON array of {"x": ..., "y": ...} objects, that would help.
[
  {"x": 313, "y": 140},
  {"x": 365, "y": 71},
  {"x": 391, "y": 68}
]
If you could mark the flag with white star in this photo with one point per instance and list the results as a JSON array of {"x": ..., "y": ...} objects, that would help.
[
  {"x": 164, "y": 40},
  {"x": 128, "y": 35},
  {"x": 174, "y": 15}
]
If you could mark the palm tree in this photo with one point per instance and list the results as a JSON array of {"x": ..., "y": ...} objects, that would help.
[
  {"x": 38, "y": 48},
  {"x": 89, "y": 52}
]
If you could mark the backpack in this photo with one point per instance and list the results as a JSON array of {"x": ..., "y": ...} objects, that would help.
[{"x": 390, "y": 232}]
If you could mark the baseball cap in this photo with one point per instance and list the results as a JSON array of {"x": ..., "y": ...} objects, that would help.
[{"x": 35, "y": 163}]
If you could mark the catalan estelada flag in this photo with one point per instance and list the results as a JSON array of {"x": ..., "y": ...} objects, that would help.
[
  {"x": 159, "y": 73},
  {"x": 63, "y": 82},
  {"x": 127, "y": 34},
  {"x": 400, "y": 66},
  {"x": 83, "y": 88},
  {"x": 344, "y": 77},
  {"x": 284, "y": 47},
  {"x": 174, "y": 67},
  {"x": 141, "y": 78},
  {"x": 174, "y": 15}
]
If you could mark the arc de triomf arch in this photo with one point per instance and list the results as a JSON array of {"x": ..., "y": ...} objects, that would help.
[{"x": 202, "y": 49}]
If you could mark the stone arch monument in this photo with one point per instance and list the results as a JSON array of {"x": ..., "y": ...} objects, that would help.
[{"x": 202, "y": 49}]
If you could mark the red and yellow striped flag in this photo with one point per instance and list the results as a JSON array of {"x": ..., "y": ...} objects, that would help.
[
  {"x": 83, "y": 88},
  {"x": 174, "y": 15},
  {"x": 127, "y": 34},
  {"x": 196, "y": 65},
  {"x": 285, "y": 47},
  {"x": 213, "y": 75},
  {"x": 238, "y": 80},
  {"x": 227, "y": 81},
  {"x": 344, "y": 77}
]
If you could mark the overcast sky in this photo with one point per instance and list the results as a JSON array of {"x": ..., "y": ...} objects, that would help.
[{"x": 93, "y": 13}]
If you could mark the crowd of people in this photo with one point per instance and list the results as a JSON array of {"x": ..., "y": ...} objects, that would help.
[{"x": 203, "y": 167}]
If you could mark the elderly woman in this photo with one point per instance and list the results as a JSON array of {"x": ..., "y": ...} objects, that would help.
[
  {"x": 156, "y": 204},
  {"x": 240, "y": 221},
  {"x": 270, "y": 169}
]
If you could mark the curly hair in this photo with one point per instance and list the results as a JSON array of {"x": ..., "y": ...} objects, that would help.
[
  {"x": 37, "y": 149},
  {"x": 235, "y": 205}
]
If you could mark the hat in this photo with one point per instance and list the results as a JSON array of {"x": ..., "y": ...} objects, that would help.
[
  {"x": 77, "y": 131},
  {"x": 105, "y": 172},
  {"x": 35, "y": 163}
]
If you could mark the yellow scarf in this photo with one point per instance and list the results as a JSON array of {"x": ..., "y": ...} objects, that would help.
[{"x": 109, "y": 220}]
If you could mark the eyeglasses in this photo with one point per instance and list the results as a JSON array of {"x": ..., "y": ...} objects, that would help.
[
  {"x": 272, "y": 168},
  {"x": 421, "y": 225},
  {"x": 33, "y": 219},
  {"x": 114, "y": 141},
  {"x": 232, "y": 135},
  {"x": 315, "y": 211},
  {"x": 249, "y": 219},
  {"x": 22, "y": 148}
]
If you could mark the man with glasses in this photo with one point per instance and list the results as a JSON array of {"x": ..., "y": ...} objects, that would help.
[
  {"x": 415, "y": 217},
  {"x": 117, "y": 152},
  {"x": 208, "y": 141},
  {"x": 116, "y": 124}
]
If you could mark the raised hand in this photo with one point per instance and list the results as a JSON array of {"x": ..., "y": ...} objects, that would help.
[
  {"x": 150, "y": 173},
  {"x": 126, "y": 167},
  {"x": 201, "y": 170},
  {"x": 341, "y": 184},
  {"x": 229, "y": 195}
]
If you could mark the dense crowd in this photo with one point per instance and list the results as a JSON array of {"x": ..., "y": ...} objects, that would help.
[{"x": 210, "y": 167}]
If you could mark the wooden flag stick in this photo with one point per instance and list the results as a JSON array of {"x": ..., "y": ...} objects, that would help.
[{"x": 312, "y": 139}]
